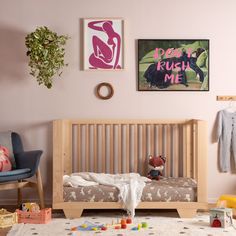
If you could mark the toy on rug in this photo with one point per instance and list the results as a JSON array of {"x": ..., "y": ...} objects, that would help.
[
  {"x": 89, "y": 226},
  {"x": 220, "y": 217},
  {"x": 155, "y": 167},
  {"x": 34, "y": 216},
  {"x": 5, "y": 163},
  {"x": 30, "y": 207},
  {"x": 124, "y": 223}
]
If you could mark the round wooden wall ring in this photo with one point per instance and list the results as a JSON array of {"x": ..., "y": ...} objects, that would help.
[{"x": 110, "y": 91}]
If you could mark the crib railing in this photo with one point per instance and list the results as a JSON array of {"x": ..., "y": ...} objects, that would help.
[{"x": 123, "y": 146}]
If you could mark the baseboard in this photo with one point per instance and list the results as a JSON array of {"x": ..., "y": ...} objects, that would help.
[
  {"x": 212, "y": 200},
  {"x": 13, "y": 202}
]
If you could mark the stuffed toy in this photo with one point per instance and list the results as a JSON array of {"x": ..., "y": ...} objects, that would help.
[
  {"x": 30, "y": 207},
  {"x": 155, "y": 167},
  {"x": 5, "y": 163}
]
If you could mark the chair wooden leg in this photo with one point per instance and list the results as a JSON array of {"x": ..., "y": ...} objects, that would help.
[
  {"x": 19, "y": 195},
  {"x": 40, "y": 188}
]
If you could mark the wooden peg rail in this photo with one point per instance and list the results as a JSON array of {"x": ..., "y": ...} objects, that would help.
[{"x": 226, "y": 98}]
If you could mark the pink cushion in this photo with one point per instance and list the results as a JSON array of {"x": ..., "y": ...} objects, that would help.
[{"x": 5, "y": 163}]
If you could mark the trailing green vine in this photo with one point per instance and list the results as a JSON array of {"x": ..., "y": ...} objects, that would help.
[{"x": 46, "y": 53}]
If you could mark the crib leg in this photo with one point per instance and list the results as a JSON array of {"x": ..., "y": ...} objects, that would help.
[
  {"x": 73, "y": 213},
  {"x": 187, "y": 213}
]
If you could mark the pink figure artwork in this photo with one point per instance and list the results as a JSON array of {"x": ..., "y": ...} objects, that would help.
[{"x": 106, "y": 53}]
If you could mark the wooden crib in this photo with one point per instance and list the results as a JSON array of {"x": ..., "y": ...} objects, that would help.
[{"x": 122, "y": 146}]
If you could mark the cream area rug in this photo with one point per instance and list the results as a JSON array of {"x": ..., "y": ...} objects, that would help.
[{"x": 164, "y": 224}]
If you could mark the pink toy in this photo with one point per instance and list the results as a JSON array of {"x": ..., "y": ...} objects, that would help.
[
  {"x": 42, "y": 217},
  {"x": 5, "y": 163}
]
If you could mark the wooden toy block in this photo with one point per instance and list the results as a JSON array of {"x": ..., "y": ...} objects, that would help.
[{"x": 220, "y": 217}]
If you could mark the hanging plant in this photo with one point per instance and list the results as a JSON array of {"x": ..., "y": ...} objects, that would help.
[{"x": 46, "y": 53}]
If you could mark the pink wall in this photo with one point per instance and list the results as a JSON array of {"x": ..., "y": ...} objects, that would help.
[{"x": 29, "y": 108}]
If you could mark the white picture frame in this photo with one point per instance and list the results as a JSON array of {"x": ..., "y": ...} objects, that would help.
[{"x": 103, "y": 44}]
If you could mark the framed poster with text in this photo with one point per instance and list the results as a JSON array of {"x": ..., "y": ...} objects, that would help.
[{"x": 173, "y": 65}]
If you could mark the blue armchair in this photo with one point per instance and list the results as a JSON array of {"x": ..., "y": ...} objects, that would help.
[{"x": 27, "y": 165}]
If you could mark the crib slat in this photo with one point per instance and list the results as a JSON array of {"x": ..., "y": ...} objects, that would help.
[
  {"x": 156, "y": 140},
  {"x": 103, "y": 148},
  {"x": 79, "y": 160},
  {"x": 186, "y": 151},
  {"x": 127, "y": 147},
  {"x": 194, "y": 144},
  {"x": 87, "y": 150},
  {"x": 119, "y": 147},
  {"x": 163, "y": 138},
  {"x": 167, "y": 151},
  {"x": 95, "y": 147},
  {"x": 172, "y": 151},
  {"x": 135, "y": 148},
  {"x": 175, "y": 151},
  {"x": 144, "y": 148},
  {"x": 160, "y": 140},
  {"x": 189, "y": 153},
  {"x": 112, "y": 149},
  {"x": 152, "y": 146}
]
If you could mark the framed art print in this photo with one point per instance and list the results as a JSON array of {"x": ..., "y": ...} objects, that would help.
[
  {"x": 173, "y": 65},
  {"x": 103, "y": 44}
]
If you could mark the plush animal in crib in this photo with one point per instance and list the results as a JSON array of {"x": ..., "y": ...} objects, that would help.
[
  {"x": 5, "y": 163},
  {"x": 155, "y": 167}
]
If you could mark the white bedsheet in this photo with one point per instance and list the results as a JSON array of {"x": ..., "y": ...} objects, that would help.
[
  {"x": 77, "y": 181},
  {"x": 130, "y": 185}
]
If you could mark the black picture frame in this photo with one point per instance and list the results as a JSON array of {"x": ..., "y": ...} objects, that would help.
[{"x": 173, "y": 64}]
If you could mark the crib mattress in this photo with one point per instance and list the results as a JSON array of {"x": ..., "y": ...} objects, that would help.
[{"x": 164, "y": 190}]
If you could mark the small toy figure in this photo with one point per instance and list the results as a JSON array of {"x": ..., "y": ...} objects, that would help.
[
  {"x": 155, "y": 167},
  {"x": 30, "y": 207}
]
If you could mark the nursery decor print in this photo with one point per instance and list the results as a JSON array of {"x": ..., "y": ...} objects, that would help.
[
  {"x": 103, "y": 46},
  {"x": 174, "y": 65}
]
